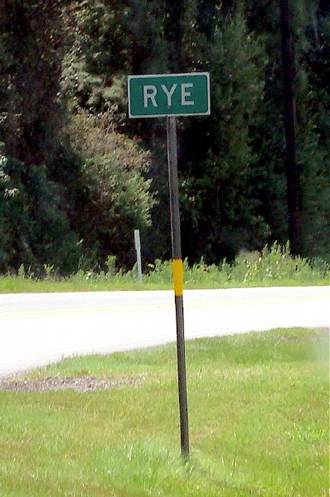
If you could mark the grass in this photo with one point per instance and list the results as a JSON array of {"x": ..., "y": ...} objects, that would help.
[
  {"x": 258, "y": 424},
  {"x": 272, "y": 267}
]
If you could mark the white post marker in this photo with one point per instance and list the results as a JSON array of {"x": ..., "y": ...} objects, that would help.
[{"x": 137, "y": 243}]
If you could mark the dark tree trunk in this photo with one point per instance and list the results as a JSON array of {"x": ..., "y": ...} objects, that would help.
[
  {"x": 289, "y": 115},
  {"x": 227, "y": 6},
  {"x": 206, "y": 17},
  {"x": 174, "y": 34},
  {"x": 315, "y": 26}
]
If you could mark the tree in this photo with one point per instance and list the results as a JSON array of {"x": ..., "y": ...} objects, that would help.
[
  {"x": 220, "y": 214},
  {"x": 113, "y": 196},
  {"x": 289, "y": 116},
  {"x": 34, "y": 229},
  {"x": 174, "y": 30},
  {"x": 63, "y": 103}
]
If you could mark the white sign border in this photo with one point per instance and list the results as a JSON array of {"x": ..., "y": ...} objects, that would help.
[{"x": 143, "y": 116}]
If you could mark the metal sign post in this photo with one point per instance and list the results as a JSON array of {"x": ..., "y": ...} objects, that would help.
[
  {"x": 171, "y": 95},
  {"x": 178, "y": 280}
]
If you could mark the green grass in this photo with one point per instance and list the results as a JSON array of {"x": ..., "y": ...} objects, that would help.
[
  {"x": 258, "y": 424},
  {"x": 272, "y": 267}
]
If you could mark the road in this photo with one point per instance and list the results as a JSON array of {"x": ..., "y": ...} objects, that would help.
[{"x": 36, "y": 329}]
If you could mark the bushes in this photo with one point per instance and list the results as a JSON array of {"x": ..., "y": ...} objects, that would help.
[
  {"x": 35, "y": 229},
  {"x": 272, "y": 267},
  {"x": 76, "y": 212},
  {"x": 276, "y": 264},
  {"x": 67, "y": 75},
  {"x": 39, "y": 221},
  {"x": 116, "y": 196},
  {"x": 118, "y": 201}
]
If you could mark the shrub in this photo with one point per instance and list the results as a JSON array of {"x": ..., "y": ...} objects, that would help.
[
  {"x": 35, "y": 230},
  {"x": 116, "y": 196}
]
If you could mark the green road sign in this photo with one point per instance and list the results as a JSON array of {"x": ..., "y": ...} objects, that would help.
[{"x": 169, "y": 95}]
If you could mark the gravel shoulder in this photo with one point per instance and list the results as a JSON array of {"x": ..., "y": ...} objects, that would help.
[{"x": 78, "y": 384}]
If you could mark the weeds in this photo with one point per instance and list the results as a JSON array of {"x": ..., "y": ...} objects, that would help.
[{"x": 273, "y": 266}]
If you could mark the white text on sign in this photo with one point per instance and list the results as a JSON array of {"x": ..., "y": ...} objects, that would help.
[{"x": 150, "y": 94}]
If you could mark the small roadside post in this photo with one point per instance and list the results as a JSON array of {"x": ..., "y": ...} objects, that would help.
[
  {"x": 137, "y": 243},
  {"x": 172, "y": 95}
]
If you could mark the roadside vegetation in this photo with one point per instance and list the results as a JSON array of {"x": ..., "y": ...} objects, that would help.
[
  {"x": 273, "y": 266},
  {"x": 258, "y": 422},
  {"x": 77, "y": 176}
]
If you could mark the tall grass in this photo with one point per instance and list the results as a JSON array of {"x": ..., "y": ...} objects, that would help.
[{"x": 273, "y": 266}]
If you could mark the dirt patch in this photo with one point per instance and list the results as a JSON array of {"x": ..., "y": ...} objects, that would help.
[{"x": 79, "y": 384}]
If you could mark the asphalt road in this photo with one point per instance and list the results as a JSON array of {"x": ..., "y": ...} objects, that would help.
[{"x": 36, "y": 329}]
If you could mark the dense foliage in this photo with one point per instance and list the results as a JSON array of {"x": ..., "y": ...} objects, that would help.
[{"x": 76, "y": 176}]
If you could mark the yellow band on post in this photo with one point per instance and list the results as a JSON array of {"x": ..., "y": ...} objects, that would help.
[{"x": 178, "y": 277}]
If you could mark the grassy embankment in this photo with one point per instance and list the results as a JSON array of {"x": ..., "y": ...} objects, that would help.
[
  {"x": 258, "y": 421},
  {"x": 271, "y": 267}
]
